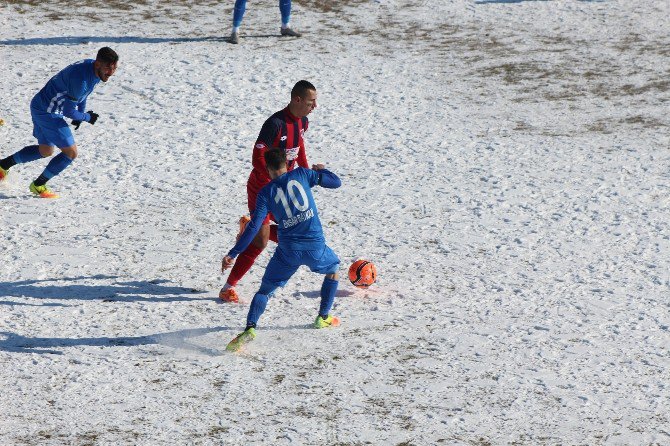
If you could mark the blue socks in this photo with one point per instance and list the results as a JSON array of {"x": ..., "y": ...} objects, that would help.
[
  {"x": 57, "y": 164},
  {"x": 238, "y": 12},
  {"x": 257, "y": 308},
  {"x": 260, "y": 300},
  {"x": 285, "y": 9},
  {"x": 25, "y": 155},
  {"x": 328, "y": 290}
]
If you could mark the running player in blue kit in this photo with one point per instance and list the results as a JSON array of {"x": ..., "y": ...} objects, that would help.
[
  {"x": 241, "y": 7},
  {"x": 64, "y": 96},
  {"x": 301, "y": 241}
]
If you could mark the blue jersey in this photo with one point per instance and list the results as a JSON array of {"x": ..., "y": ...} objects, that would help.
[
  {"x": 65, "y": 94},
  {"x": 289, "y": 198}
]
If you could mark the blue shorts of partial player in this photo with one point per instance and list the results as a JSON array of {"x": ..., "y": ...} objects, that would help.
[
  {"x": 284, "y": 263},
  {"x": 51, "y": 130}
]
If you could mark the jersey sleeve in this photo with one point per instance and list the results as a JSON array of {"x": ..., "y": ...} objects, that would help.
[
  {"x": 268, "y": 133},
  {"x": 328, "y": 179},
  {"x": 71, "y": 110},
  {"x": 302, "y": 153},
  {"x": 76, "y": 94},
  {"x": 253, "y": 226},
  {"x": 264, "y": 142}
]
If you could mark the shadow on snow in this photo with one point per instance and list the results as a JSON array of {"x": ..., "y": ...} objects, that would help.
[
  {"x": 120, "y": 291},
  {"x": 485, "y": 2},
  {"x": 79, "y": 40},
  {"x": 12, "y": 342}
]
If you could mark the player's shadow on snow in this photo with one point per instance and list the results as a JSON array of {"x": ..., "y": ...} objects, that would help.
[
  {"x": 82, "y": 40},
  {"x": 122, "y": 291},
  {"x": 484, "y": 2},
  {"x": 317, "y": 294},
  {"x": 12, "y": 342}
]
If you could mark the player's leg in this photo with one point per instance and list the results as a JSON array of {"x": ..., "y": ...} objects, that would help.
[
  {"x": 25, "y": 155},
  {"x": 285, "y": 9},
  {"x": 247, "y": 258},
  {"x": 57, "y": 164},
  {"x": 238, "y": 15},
  {"x": 326, "y": 262},
  {"x": 279, "y": 270},
  {"x": 52, "y": 132},
  {"x": 44, "y": 148},
  {"x": 243, "y": 263}
]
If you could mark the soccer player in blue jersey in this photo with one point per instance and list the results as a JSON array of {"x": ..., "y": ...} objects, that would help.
[
  {"x": 238, "y": 15},
  {"x": 301, "y": 242},
  {"x": 285, "y": 129},
  {"x": 64, "y": 96}
]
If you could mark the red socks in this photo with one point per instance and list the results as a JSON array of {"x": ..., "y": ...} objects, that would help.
[{"x": 243, "y": 263}]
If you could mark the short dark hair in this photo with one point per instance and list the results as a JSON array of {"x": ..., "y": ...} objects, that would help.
[
  {"x": 275, "y": 158},
  {"x": 301, "y": 88},
  {"x": 107, "y": 55}
]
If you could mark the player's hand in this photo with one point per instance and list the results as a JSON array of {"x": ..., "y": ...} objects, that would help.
[
  {"x": 94, "y": 117},
  {"x": 318, "y": 166},
  {"x": 76, "y": 123},
  {"x": 226, "y": 263}
]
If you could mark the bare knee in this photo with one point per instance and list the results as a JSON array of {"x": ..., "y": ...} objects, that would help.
[
  {"x": 70, "y": 152},
  {"x": 45, "y": 150}
]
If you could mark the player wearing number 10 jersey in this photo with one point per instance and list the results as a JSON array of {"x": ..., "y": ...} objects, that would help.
[
  {"x": 283, "y": 130},
  {"x": 301, "y": 241}
]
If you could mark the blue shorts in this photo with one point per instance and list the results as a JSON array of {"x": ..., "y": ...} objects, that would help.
[
  {"x": 284, "y": 264},
  {"x": 51, "y": 131}
]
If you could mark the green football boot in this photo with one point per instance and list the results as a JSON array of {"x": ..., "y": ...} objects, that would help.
[{"x": 241, "y": 340}]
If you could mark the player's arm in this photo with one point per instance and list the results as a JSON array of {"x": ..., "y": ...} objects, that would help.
[
  {"x": 70, "y": 110},
  {"x": 302, "y": 157},
  {"x": 264, "y": 142},
  {"x": 324, "y": 177},
  {"x": 81, "y": 106},
  {"x": 249, "y": 233},
  {"x": 302, "y": 153},
  {"x": 258, "y": 160},
  {"x": 75, "y": 103}
]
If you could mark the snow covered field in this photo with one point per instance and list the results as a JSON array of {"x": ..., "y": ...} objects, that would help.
[{"x": 506, "y": 164}]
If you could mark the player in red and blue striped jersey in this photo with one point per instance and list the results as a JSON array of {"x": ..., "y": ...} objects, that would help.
[{"x": 285, "y": 130}]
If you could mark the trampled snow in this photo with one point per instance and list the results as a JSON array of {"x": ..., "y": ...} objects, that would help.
[{"x": 505, "y": 164}]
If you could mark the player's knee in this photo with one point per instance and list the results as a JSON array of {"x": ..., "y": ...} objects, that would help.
[
  {"x": 70, "y": 152},
  {"x": 46, "y": 151}
]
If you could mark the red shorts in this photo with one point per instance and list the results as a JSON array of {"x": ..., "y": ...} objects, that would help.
[{"x": 251, "y": 202}]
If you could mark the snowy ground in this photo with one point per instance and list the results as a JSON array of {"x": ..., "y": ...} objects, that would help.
[{"x": 506, "y": 164}]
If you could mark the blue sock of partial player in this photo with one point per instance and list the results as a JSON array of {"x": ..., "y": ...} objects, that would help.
[
  {"x": 57, "y": 164},
  {"x": 238, "y": 12},
  {"x": 328, "y": 290},
  {"x": 285, "y": 9},
  {"x": 256, "y": 309},
  {"x": 25, "y": 155}
]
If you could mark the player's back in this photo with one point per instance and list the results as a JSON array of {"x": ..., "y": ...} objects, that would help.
[{"x": 289, "y": 198}]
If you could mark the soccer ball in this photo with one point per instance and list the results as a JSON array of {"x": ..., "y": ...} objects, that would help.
[{"x": 362, "y": 273}]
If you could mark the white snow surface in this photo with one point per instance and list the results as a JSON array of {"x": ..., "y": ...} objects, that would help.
[{"x": 505, "y": 164}]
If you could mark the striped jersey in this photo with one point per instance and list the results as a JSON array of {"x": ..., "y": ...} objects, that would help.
[
  {"x": 65, "y": 94},
  {"x": 281, "y": 130}
]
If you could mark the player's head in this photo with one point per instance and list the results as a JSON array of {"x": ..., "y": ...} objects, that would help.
[
  {"x": 275, "y": 160},
  {"x": 105, "y": 63},
  {"x": 303, "y": 98}
]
